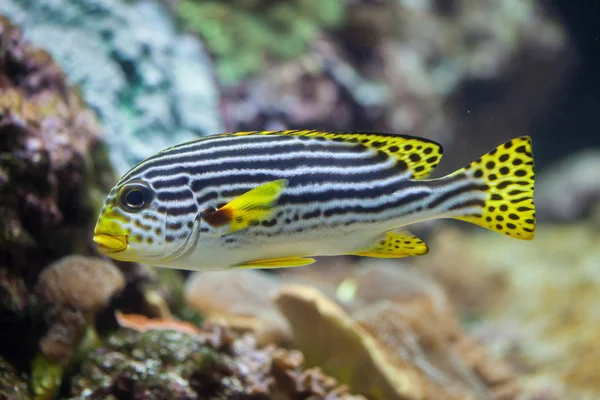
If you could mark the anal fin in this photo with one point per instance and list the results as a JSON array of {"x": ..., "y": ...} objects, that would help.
[
  {"x": 395, "y": 244},
  {"x": 288, "y": 262}
]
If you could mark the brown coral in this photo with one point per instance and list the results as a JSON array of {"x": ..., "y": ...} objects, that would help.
[
  {"x": 404, "y": 342},
  {"x": 330, "y": 338},
  {"x": 74, "y": 288},
  {"x": 83, "y": 283},
  {"x": 66, "y": 329}
]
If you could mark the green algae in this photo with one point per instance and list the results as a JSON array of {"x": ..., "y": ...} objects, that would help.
[
  {"x": 244, "y": 35},
  {"x": 46, "y": 378}
]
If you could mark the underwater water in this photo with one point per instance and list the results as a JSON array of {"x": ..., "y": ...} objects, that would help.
[{"x": 91, "y": 88}]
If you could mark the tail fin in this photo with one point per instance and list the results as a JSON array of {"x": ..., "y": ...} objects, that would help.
[{"x": 508, "y": 172}]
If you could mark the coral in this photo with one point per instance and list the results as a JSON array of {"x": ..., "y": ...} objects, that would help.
[
  {"x": 47, "y": 137},
  {"x": 13, "y": 385},
  {"x": 72, "y": 289},
  {"x": 66, "y": 328},
  {"x": 52, "y": 167},
  {"x": 84, "y": 283},
  {"x": 151, "y": 86},
  {"x": 163, "y": 364},
  {"x": 321, "y": 328},
  {"x": 387, "y": 351},
  {"x": 399, "y": 331},
  {"x": 240, "y": 300},
  {"x": 549, "y": 325},
  {"x": 244, "y": 35},
  {"x": 416, "y": 68}
]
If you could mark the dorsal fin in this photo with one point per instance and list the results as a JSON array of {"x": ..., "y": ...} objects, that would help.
[{"x": 420, "y": 155}]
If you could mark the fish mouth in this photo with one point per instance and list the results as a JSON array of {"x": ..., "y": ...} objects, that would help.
[{"x": 110, "y": 243}]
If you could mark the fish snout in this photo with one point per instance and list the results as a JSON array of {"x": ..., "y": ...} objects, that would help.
[
  {"x": 110, "y": 236},
  {"x": 108, "y": 243}
]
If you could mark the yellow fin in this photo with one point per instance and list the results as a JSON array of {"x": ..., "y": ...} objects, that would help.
[
  {"x": 508, "y": 171},
  {"x": 420, "y": 155},
  {"x": 287, "y": 262},
  {"x": 396, "y": 244},
  {"x": 253, "y": 205}
]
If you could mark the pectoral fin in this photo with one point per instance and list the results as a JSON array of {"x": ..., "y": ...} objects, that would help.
[
  {"x": 395, "y": 244},
  {"x": 288, "y": 262},
  {"x": 253, "y": 205}
]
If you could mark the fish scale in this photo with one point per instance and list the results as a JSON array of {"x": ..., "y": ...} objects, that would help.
[{"x": 256, "y": 199}]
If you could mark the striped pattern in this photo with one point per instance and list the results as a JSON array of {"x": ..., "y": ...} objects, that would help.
[
  {"x": 340, "y": 183},
  {"x": 336, "y": 188}
]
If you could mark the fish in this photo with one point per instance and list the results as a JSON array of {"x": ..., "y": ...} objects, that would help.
[{"x": 278, "y": 199}]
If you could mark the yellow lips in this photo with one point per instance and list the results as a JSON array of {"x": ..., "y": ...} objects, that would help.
[{"x": 110, "y": 243}]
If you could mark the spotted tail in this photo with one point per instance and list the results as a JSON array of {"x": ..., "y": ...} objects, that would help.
[{"x": 506, "y": 176}]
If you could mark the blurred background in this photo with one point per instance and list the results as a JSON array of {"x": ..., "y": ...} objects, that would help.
[{"x": 88, "y": 88}]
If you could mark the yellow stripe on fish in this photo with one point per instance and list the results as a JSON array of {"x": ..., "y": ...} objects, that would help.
[{"x": 277, "y": 198}]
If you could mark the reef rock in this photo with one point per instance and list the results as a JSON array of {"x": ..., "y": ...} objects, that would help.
[
  {"x": 449, "y": 71},
  {"x": 212, "y": 365},
  {"x": 150, "y": 86},
  {"x": 403, "y": 342},
  {"x": 13, "y": 385},
  {"x": 240, "y": 300},
  {"x": 53, "y": 176},
  {"x": 549, "y": 325}
]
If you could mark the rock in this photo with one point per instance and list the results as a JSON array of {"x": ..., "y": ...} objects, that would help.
[
  {"x": 240, "y": 300},
  {"x": 150, "y": 86},
  {"x": 163, "y": 364}
]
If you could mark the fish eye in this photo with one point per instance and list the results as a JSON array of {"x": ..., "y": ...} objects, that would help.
[{"x": 135, "y": 196}]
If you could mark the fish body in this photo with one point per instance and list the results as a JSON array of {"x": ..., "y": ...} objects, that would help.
[{"x": 273, "y": 199}]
